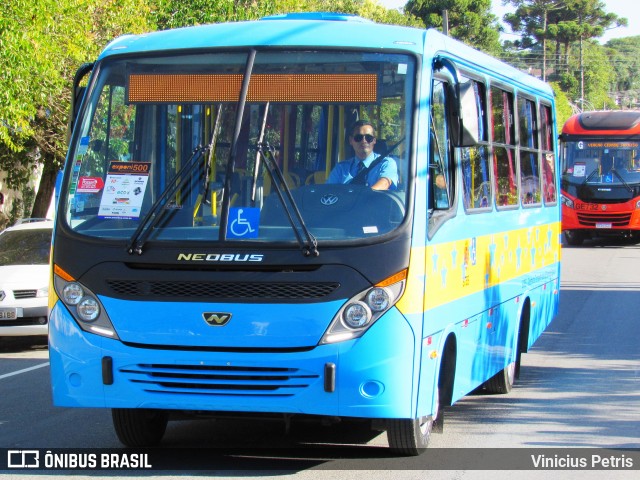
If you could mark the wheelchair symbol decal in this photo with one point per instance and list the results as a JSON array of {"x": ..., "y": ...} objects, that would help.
[{"x": 243, "y": 222}]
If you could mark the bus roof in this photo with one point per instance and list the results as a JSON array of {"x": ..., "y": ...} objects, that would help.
[
  {"x": 303, "y": 30},
  {"x": 320, "y": 29},
  {"x": 610, "y": 122}
]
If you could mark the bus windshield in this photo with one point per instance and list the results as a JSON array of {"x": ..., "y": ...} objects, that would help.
[
  {"x": 240, "y": 146},
  {"x": 601, "y": 163}
]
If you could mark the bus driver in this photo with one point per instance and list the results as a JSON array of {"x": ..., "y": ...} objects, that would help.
[{"x": 366, "y": 167}]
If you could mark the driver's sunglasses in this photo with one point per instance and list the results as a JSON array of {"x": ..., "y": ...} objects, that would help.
[{"x": 369, "y": 138}]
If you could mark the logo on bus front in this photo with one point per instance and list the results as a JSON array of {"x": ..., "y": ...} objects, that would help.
[{"x": 216, "y": 319}]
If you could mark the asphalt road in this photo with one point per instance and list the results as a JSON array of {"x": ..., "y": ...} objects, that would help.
[{"x": 579, "y": 388}]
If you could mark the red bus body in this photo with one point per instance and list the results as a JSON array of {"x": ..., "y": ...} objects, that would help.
[{"x": 600, "y": 170}]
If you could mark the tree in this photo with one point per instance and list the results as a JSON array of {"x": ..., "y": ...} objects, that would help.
[
  {"x": 470, "y": 21},
  {"x": 567, "y": 23},
  {"x": 180, "y": 13},
  {"x": 42, "y": 45},
  {"x": 624, "y": 57},
  {"x": 563, "y": 106},
  {"x": 531, "y": 19}
]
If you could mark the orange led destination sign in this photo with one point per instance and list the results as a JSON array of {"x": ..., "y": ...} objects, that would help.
[{"x": 289, "y": 88}]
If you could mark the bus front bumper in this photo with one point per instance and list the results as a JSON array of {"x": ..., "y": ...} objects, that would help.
[{"x": 369, "y": 377}]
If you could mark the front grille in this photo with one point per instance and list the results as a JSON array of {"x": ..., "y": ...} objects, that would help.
[
  {"x": 169, "y": 289},
  {"x": 218, "y": 380},
  {"x": 615, "y": 219},
  {"x": 22, "y": 294}
]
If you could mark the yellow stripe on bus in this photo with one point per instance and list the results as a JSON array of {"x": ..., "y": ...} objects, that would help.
[{"x": 460, "y": 268}]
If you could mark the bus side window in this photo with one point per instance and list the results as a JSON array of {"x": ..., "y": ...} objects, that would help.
[
  {"x": 440, "y": 158},
  {"x": 475, "y": 160},
  {"x": 504, "y": 151},
  {"x": 548, "y": 157},
  {"x": 530, "y": 186}
]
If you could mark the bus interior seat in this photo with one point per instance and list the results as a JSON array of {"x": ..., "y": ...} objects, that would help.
[{"x": 316, "y": 178}]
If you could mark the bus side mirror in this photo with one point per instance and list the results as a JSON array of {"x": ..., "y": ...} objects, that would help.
[
  {"x": 77, "y": 94},
  {"x": 468, "y": 116}
]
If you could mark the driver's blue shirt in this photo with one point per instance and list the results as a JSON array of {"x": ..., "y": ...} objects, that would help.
[{"x": 345, "y": 171}]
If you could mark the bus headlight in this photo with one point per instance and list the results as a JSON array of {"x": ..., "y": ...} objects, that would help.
[
  {"x": 638, "y": 204},
  {"x": 378, "y": 299},
  {"x": 83, "y": 304},
  {"x": 72, "y": 293},
  {"x": 566, "y": 201},
  {"x": 357, "y": 315},
  {"x": 88, "y": 309},
  {"x": 363, "y": 309}
]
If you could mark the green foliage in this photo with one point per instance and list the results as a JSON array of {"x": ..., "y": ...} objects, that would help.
[
  {"x": 42, "y": 44},
  {"x": 561, "y": 35},
  {"x": 624, "y": 56},
  {"x": 563, "y": 106},
  {"x": 470, "y": 21},
  {"x": 563, "y": 21},
  {"x": 181, "y": 13}
]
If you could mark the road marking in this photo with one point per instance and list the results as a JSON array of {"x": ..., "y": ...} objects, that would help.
[{"x": 24, "y": 370}]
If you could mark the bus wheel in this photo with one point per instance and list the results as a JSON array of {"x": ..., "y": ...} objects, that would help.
[
  {"x": 502, "y": 382},
  {"x": 409, "y": 436},
  {"x": 574, "y": 237},
  {"x": 139, "y": 427}
]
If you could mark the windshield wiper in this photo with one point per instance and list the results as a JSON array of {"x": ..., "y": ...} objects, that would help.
[
  {"x": 586, "y": 180},
  {"x": 309, "y": 244},
  {"x": 155, "y": 214},
  {"x": 256, "y": 165},
  {"x": 626, "y": 185},
  {"x": 211, "y": 159}
]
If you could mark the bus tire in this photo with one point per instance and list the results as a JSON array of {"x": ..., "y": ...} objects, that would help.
[
  {"x": 139, "y": 427},
  {"x": 409, "y": 436},
  {"x": 502, "y": 382},
  {"x": 574, "y": 237}
]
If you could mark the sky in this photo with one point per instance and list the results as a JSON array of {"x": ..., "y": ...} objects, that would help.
[{"x": 629, "y": 9}]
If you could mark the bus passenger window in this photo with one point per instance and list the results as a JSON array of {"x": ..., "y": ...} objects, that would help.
[
  {"x": 474, "y": 161},
  {"x": 504, "y": 152},
  {"x": 548, "y": 157},
  {"x": 440, "y": 164},
  {"x": 529, "y": 156},
  {"x": 475, "y": 177}
]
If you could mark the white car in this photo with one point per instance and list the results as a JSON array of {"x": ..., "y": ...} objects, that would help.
[{"x": 24, "y": 278}]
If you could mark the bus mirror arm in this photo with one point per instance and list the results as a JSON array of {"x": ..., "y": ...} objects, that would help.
[
  {"x": 463, "y": 112},
  {"x": 77, "y": 94}
]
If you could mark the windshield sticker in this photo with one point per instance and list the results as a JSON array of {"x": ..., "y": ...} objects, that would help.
[
  {"x": 243, "y": 222},
  {"x": 75, "y": 174},
  {"x": 124, "y": 190},
  {"x": 84, "y": 146},
  {"x": 579, "y": 170},
  {"x": 90, "y": 185}
]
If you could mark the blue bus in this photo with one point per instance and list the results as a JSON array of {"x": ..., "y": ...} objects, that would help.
[{"x": 218, "y": 250}]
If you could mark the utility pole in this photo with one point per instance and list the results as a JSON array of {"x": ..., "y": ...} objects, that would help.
[
  {"x": 581, "y": 70},
  {"x": 445, "y": 22}
]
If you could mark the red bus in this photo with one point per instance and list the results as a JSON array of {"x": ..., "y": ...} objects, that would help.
[{"x": 600, "y": 165}]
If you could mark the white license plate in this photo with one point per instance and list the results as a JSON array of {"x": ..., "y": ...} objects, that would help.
[
  {"x": 8, "y": 313},
  {"x": 603, "y": 225}
]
